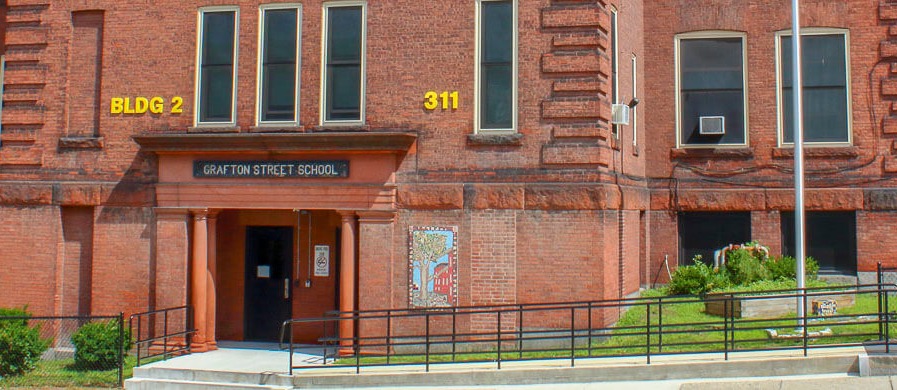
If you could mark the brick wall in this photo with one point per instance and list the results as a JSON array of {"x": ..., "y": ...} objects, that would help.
[{"x": 29, "y": 261}]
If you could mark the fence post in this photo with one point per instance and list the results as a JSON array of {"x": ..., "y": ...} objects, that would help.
[
  {"x": 498, "y": 323},
  {"x": 520, "y": 332},
  {"x": 887, "y": 314},
  {"x": 726, "y": 303},
  {"x": 427, "y": 341},
  {"x": 389, "y": 334},
  {"x": 648, "y": 332},
  {"x": 590, "y": 328},
  {"x": 660, "y": 325},
  {"x": 880, "y": 281},
  {"x": 121, "y": 347},
  {"x": 454, "y": 331},
  {"x": 572, "y": 336},
  {"x": 803, "y": 321}
]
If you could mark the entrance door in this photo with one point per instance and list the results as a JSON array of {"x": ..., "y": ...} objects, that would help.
[{"x": 269, "y": 254}]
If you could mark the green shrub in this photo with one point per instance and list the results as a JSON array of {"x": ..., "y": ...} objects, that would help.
[
  {"x": 14, "y": 312},
  {"x": 744, "y": 267},
  {"x": 784, "y": 268},
  {"x": 97, "y": 345},
  {"x": 20, "y": 345},
  {"x": 696, "y": 279}
]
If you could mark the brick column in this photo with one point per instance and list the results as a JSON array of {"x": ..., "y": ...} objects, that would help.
[
  {"x": 172, "y": 255},
  {"x": 199, "y": 279},
  {"x": 211, "y": 295},
  {"x": 766, "y": 227},
  {"x": 347, "y": 279},
  {"x": 375, "y": 270}
]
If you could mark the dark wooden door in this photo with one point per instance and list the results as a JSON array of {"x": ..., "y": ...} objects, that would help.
[{"x": 268, "y": 281}]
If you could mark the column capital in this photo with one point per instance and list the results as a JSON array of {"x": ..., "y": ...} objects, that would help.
[
  {"x": 171, "y": 213},
  {"x": 347, "y": 214},
  {"x": 200, "y": 214},
  {"x": 376, "y": 216}
]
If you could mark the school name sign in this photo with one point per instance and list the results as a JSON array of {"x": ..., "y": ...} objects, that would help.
[{"x": 272, "y": 169}]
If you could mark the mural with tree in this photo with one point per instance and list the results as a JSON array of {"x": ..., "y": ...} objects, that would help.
[{"x": 432, "y": 257}]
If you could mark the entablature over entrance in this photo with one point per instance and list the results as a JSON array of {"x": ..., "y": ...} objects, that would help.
[{"x": 338, "y": 171}]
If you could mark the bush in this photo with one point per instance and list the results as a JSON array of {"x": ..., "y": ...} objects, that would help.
[
  {"x": 20, "y": 345},
  {"x": 745, "y": 268},
  {"x": 696, "y": 279},
  {"x": 97, "y": 345},
  {"x": 784, "y": 268},
  {"x": 14, "y": 312}
]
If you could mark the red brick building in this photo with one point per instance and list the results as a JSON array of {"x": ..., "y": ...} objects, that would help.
[{"x": 267, "y": 160}]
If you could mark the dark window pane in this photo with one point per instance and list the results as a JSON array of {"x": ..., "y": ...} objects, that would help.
[
  {"x": 280, "y": 36},
  {"x": 344, "y": 34},
  {"x": 496, "y": 65},
  {"x": 279, "y": 92},
  {"x": 702, "y": 233},
  {"x": 217, "y": 67},
  {"x": 497, "y": 38},
  {"x": 343, "y": 78},
  {"x": 830, "y": 239},
  {"x": 344, "y": 84},
  {"x": 218, "y": 38},
  {"x": 279, "y": 66},
  {"x": 216, "y": 94},
  {"x": 726, "y": 103},
  {"x": 711, "y": 82},
  {"x": 497, "y": 100},
  {"x": 824, "y": 71}
]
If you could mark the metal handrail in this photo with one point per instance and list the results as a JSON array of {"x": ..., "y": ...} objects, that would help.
[
  {"x": 439, "y": 337},
  {"x": 166, "y": 336}
]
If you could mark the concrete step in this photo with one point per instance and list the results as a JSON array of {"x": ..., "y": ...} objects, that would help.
[
  {"x": 219, "y": 378},
  {"x": 867, "y": 383},
  {"x": 536, "y": 373},
  {"x": 170, "y": 384}
]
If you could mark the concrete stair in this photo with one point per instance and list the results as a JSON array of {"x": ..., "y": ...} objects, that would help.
[{"x": 662, "y": 368}]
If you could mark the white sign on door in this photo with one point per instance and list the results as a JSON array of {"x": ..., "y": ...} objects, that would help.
[{"x": 322, "y": 260}]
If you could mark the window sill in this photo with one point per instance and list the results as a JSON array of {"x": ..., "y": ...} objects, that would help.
[
  {"x": 818, "y": 152},
  {"x": 736, "y": 153},
  {"x": 276, "y": 129},
  {"x": 213, "y": 129},
  {"x": 83, "y": 142},
  {"x": 515, "y": 139}
]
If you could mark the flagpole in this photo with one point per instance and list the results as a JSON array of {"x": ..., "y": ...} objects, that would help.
[{"x": 797, "y": 83}]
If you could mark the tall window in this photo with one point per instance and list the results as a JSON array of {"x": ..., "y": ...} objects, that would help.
[
  {"x": 279, "y": 64},
  {"x": 497, "y": 66},
  {"x": 826, "y": 104},
  {"x": 615, "y": 65},
  {"x": 711, "y": 89},
  {"x": 344, "y": 58},
  {"x": 217, "y": 64}
]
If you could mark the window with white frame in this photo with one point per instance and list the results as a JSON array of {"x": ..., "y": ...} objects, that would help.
[
  {"x": 344, "y": 47},
  {"x": 826, "y": 98},
  {"x": 615, "y": 66},
  {"x": 711, "y": 99},
  {"x": 216, "y": 66},
  {"x": 496, "y": 72},
  {"x": 278, "y": 68}
]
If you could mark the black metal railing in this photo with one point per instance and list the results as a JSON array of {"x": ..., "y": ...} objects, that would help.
[
  {"x": 164, "y": 332},
  {"x": 576, "y": 330},
  {"x": 62, "y": 351}
]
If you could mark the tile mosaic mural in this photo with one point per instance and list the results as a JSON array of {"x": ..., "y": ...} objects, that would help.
[{"x": 433, "y": 267}]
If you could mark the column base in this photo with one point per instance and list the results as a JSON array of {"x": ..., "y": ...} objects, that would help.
[{"x": 203, "y": 347}]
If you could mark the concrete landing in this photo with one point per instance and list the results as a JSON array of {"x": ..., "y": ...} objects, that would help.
[{"x": 265, "y": 369}]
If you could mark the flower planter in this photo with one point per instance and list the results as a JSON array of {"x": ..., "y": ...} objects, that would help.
[{"x": 756, "y": 306}]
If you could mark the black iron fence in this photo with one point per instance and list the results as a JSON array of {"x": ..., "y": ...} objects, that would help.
[
  {"x": 643, "y": 327},
  {"x": 84, "y": 351},
  {"x": 162, "y": 333}
]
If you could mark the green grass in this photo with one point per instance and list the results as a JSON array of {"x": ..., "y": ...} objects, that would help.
[
  {"x": 686, "y": 328},
  {"x": 61, "y": 373}
]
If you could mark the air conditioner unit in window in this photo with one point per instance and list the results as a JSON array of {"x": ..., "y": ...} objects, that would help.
[
  {"x": 712, "y": 125},
  {"x": 619, "y": 114}
]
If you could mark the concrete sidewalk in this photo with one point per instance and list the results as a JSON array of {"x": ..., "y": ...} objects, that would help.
[{"x": 268, "y": 369}]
